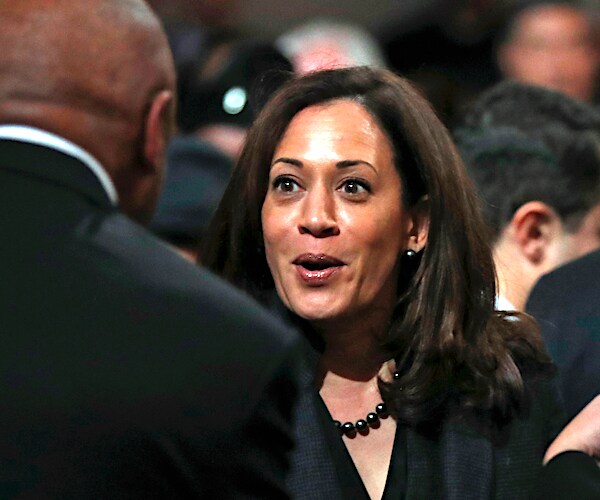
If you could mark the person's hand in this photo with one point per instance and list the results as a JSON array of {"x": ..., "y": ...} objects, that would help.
[{"x": 581, "y": 434}]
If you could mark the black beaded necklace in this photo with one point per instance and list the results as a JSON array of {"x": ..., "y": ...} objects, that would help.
[
  {"x": 372, "y": 419},
  {"x": 361, "y": 425}
]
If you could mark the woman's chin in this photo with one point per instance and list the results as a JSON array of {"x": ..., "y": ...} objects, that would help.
[{"x": 317, "y": 312}]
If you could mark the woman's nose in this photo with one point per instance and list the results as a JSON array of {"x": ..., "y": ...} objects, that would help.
[{"x": 318, "y": 216}]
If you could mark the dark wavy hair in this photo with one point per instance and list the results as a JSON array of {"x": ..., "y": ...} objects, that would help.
[
  {"x": 451, "y": 347},
  {"x": 523, "y": 142},
  {"x": 510, "y": 168}
]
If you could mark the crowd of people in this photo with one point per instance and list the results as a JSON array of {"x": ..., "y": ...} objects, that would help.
[{"x": 235, "y": 268}]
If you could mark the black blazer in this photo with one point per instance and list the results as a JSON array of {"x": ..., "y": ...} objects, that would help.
[
  {"x": 566, "y": 302},
  {"x": 126, "y": 372},
  {"x": 460, "y": 464},
  {"x": 570, "y": 475}
]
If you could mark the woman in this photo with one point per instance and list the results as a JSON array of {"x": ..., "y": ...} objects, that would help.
[{"x": 350, "y": 201}]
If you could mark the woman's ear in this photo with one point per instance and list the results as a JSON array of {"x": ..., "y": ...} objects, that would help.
[{"x": 419, "y": 224}]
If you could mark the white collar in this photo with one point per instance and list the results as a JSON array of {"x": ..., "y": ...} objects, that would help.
[
  {"x": 503, "y": 304},
  {"x": 40, "y": 137}
]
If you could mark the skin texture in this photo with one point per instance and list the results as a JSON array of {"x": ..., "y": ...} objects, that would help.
[
  {"x": 334, "y": 190},
  {"x": 535, "y": 242},
  {"x": 102, "y": 77},
  {"x": 552, "y": 46}
]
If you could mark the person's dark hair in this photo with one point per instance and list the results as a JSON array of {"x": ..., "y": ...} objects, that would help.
[
  {"x": 510, "y": 169},
  {"x": 537, "y": 111},
  {"x": 523, "y": 143},
  {"x": 451, "y": 346}
]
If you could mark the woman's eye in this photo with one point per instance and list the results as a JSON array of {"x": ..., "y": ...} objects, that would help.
[
  {"x": 355, "y": 186},
  {"x": 285, "y": 184}
]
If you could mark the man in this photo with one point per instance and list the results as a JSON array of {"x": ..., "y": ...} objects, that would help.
[
  {"x": 126, "y": 372},
  {"x": 566, "y": 302},
  {"x": 552, "y": 44},
  {"x": 534, "y": 156}
]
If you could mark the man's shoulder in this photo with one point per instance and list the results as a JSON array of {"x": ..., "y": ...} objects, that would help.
[
  {"x": 572, "y": 283},
  {"x": 129, "y": 256},
  {"x": 117, "y": 292},
  {"x": 582, "y": 271}
]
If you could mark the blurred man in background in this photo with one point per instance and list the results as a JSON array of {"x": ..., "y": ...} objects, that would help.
[
  {"x": 543, "y": 210},
  {"x": 534, "y": 154},
  {"x": 552, "y": 44}
]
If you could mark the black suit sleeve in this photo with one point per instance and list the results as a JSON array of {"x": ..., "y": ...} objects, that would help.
[
  {"x": 261, "y": 460},
  {"x": 569, "y": 475},
  {"x": 248, "y": 462}
]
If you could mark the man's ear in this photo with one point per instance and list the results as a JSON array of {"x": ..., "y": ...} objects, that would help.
[
  {"x": 158, "y": 129},
  {"x": 535, "y": 227},
  {"x": 419, "y": 224}
]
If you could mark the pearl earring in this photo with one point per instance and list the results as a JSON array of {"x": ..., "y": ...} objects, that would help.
[{"x": 410, "y": 253}]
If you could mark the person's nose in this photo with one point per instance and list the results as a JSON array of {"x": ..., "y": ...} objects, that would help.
[{"x": 318, "y": 216}]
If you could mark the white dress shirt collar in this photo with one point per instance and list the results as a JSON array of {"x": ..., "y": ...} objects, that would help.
[
  {"x": 503, "y": 304},
  {"x": 42, "y": 138}
]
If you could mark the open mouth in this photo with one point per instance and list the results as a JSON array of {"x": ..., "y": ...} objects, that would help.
[
  {"x": 317, "y": 270},
  {"x": 317, "y": 262}
]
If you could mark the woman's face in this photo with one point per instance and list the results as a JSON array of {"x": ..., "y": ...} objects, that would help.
[{"x": 333, "y": 222}]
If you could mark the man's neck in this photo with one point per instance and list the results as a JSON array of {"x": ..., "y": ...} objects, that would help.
[{"x": 514, "y": 283}]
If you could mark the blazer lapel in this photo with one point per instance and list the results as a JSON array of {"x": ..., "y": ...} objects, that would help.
[
  {"x": 52, "y": 166},
  {"x": 313, "y": 474}
]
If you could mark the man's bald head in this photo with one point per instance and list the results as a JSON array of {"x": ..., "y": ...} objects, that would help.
[{"x": 92, "y": 72}]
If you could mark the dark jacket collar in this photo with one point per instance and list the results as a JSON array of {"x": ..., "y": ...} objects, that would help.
[
  {"x": 457, "y": 464},
  {"x": 52, "y": 166}
]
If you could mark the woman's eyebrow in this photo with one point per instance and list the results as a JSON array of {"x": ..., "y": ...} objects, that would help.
[
  {"x": 290, "y": 161},
  {"x": 352, "y": 163},
  {"x": 339, "y": 164}
]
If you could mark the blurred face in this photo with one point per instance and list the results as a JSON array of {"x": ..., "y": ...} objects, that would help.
[
  {"x": 333, "y": 220},
  {"x": 553, "y": 47},
  {"x": 322, "y": 54}
]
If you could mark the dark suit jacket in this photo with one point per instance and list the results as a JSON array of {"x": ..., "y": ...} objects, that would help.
[
  {"x": 570, "y": 475},
  {"x": 460, "y": 464},
  {"x": 566, "y": 302},
  {"x": 126, "y": 372}
]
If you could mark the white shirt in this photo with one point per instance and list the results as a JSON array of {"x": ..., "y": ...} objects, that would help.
[
  {"x": 503, "y": 304},
  {"x": 40, "y": 137}
]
